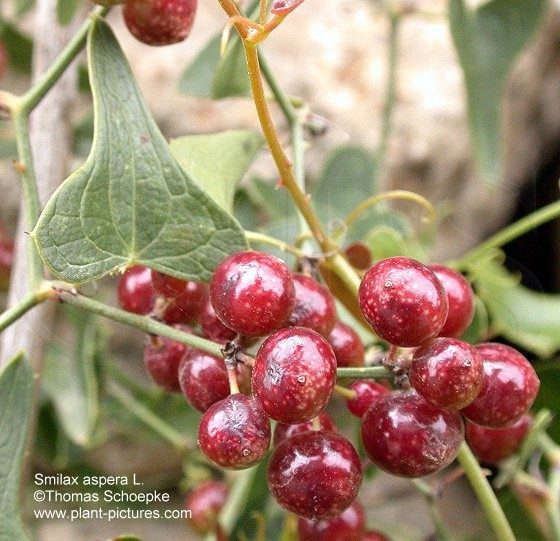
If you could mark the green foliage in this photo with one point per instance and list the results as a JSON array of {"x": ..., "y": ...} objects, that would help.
[
  {"x": 66, "y": 10},
  {"x": 218, "y": 161},
  {"x": 488, "y": 41},
  {"x": 521, "y": 522},
  {"x": 549, "y": 397},
  {"x": 130, "y": 202},
  {"x": 16, "y": 384},
  {"x": 70, "y": 379},
  {"x": 22, "y": 6},
  {"x": 19, "y": 47}
]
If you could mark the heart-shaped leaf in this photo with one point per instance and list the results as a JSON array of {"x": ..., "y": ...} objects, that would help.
[
  {"x": 131, "y": 202},
  {"x": 218, "y": 161},
  {"x": 16, "y": 382},
  {"x": 488, "y": 40}
]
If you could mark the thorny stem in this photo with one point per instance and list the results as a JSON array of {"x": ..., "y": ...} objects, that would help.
[{"x": 492, "y": 509}]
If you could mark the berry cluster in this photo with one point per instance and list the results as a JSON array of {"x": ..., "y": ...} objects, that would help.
[{"x": 413, "y": 430}]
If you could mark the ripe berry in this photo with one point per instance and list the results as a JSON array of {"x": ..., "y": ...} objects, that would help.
[
  {"x": 348, "y": 526},
  {"x": 358, "y": 255},
  {"x": 367, "y": 392},
  {"x": 203, "y": 379},
  {"x": 447, "y": 372},
  {"x": 161, "y": 359},
  {"x": 347, "y": 345},
  {"x": 212, "y": 326},
  {"x": 460, "y": 297},
  {"x": 187, "y": 306},
  {"x": 403, "y": 301},
  {"x": 510, "y": 386},
  {"x": 405, "y": 435},
  {"x": 316, "y": 475},
  {"x": 313, "y": 307},
  {"x": 294, "y": 374},
  {"x": 374, "y": 536},
  {"x": 166, "y": 285},
  {"x": 492, "y": 445},
  {"x": 159, "y": 22},
  {"x": 234, "y": 433},
  {"x": 252, "y": 293},
  {"x": 136, "y": 292},
  {"x": 204, "y": 504},
  {"x": 283, "y": 432}
]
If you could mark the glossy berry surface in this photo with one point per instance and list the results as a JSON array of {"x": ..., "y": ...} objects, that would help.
[
  {"x": 447, "y": 372},
  {"x": 203, "y": 379},
  {"x": 358, "y": 255},
  {"x": 252, "y": 293},
  {"x": 492, "y": 445},
  {"x": 135, "y": 290},
  {"x": 367, "y": 392},
  {"x": 187, "y": 306},
  {"x": 204, "y": 504},
  {"x": 234, "y": 433},
  {"x": 211, "y": 325},
  {"x": 406, "y": 436},
  {"x": 315, "y": 475},
  {"x": 313, "y": 306},
  {"x": 374, "y": 536},
  {"x": 460, "y": 297},
  {"x": 166, "y": 285},
  {"x": 347, "y": 345},
  {"x": 159, "y": 22},
  {"x": 162, "y": 357},
  {"x": 510, "y": 386},
  {"x": 294, "y": 375},
  {"x": 283, "y": 432},
  {"x": 348, "y": 526},
  {"x": 403, "y": 301}
]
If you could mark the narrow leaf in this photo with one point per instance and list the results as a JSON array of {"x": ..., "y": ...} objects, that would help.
[
  {"x": 70, "y": 381},
  {"x": 217, "y": 162},
  {"x": 528, "y": 318},
  {"x": 16, "y": 382},
  {"x": 131, "y": 202},
  {"x": 488, "y": 41}
]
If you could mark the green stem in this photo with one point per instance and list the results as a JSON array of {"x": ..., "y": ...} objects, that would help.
[
  {"x": 28, "y": 301},
  {"x": 485, "y": 494},
  {"x": 428, "y": 494},
  {"x": 165, "y": 430},
  {"x": 237, "y": 498},
  {"x": 253, "y": 236},
  {"x": 371, "y": 372},
  {"x": 35, "y": 94},
  {"x": 509, "y": 233},
  {"x": 553, "y": 502},
  {"x": 143, "y": 323}
]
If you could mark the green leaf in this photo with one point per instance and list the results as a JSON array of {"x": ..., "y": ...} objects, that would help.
[
  {"x": 488, "y": 40},
  {"x": 218, "y": 161},
  {"x": 8, "y": 149},
  {"x": 527, "y": 318},
  {"x": 66, "y": 10},
  {"x": 197, "y": 79},
  {"x": 19, "y": 47},
  {"x": 22, "y": 6},
  {"x": 131, "y": 202},
  {"x": 16, "y": 383},
  {"x": 549, "y": 397},
  {"x": 70, "y": 381},
  {"x": 231, "y": 78},
  {"x": 276, "y": 202},
  {"x": 520, "y": 521}
]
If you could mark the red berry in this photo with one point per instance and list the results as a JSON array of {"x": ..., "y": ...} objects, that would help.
[
  {"x": 406, "y": 436},
  {"x": 161, "y": 359},
  {"x": 347, "y": 345},
  {"x": 234, "y": 432},
  {"x": 187, "y": 306},
  {"x": 203, "y": 379},
  {"x": 283, "y": 432},
  {"x": 136, "y": 292},
  {"x": 358, "y": 255},
  {"x": 374, "y": 536},
  {"x": 252, "y": 293},
  {"x": 212, "y": 326},
  {"x": 403, "y": 301},
  {"x": 447, "y": 372},
  {"x": 348, "y": 526},
  {"x": 316, "y": 475},
  {"x": 367, "y": 392},
  {"x": 492, "y": 445},
  {"x": 510, "y": 386},
  {"x": 204, "y": 504},
  {"x": 159, "y": 22},
  {"x": 460, "y": 297},
  {"x": 294, "y": 375},
  {"x": 166, "y": 285},
  {"x": 313, "y": 307}
]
